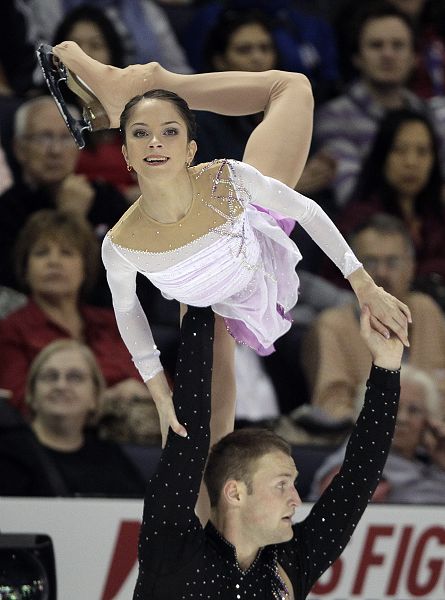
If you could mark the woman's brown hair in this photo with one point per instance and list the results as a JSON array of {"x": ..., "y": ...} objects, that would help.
[{"x": 60, "y": 227}]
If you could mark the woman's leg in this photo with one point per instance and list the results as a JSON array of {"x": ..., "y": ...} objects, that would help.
[{"x": 279, "y": 145}]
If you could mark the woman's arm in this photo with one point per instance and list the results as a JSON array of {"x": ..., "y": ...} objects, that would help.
[
  {"x": 130, "y": 317},
  {"x": 387, "y": 312}
]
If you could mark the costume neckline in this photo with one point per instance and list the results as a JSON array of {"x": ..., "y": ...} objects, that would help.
[
  {"x": 229, "y": 551},
  {"x": 173, "y": 223}
]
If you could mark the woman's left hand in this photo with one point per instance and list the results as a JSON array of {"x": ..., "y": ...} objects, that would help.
[{"x": 388, "y": 314}]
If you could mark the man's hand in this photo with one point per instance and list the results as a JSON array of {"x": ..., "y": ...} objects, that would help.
[
  {"x": 386, "y": 352},
  {"x": 76, "y": 195}
]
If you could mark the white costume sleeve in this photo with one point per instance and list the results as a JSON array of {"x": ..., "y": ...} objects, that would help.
[
  {"x": 270, "y": 193},
  {"x": 131, "y": 320}
]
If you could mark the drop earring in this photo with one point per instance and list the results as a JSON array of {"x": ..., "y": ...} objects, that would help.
[{"x": 129, "y": 167}]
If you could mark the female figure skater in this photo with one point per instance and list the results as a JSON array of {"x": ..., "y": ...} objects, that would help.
[{"x": 204, "y": 234}]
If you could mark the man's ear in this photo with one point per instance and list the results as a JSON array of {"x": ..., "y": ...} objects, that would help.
[{"x": 233, "y": 492}]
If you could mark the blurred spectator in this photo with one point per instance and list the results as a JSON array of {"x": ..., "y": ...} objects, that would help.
[
  {"x": 285, "y": 365},
  {"x": 429, "y": 18},
  {"x": 134, "y": 422},
  {"x": 305, "y": 42},
  {"x": 335, "y": 358},
  {"x": 102, "y": 158},
  {"x": 48, "y": 155},
  {"x": 239, "y": 41},
  {"x": 410, "y": 476},
  {"x": 401, "y": 176},
  {"x": 344, "y": 128},
  {"x": 17, "y": 49},
  {"x": 144, "y": 27},
  {"x": 56, "y": 259},
  {"x": 5, "y": 173},
  {"x": 64, "y": 388}
]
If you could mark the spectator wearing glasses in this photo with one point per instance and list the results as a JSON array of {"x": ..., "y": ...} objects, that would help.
[
  {"x": 401, "y": 176},
  {"x": 64, "y": 389},
  {"x": 335, "y": 358},
  {"x": 47, "y": 156},
  {"x": 414, "y": 472}
]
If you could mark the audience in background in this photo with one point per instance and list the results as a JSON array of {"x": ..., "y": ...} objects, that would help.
[
  {"x": 429, "y": 18},
  {"x": 401, "y": 176},
  {"x": 56, "y": 254},
  {"x": 58, "y": 455},
  {"x": 17, "y": 50},
  {"x": 143, "y": 25},
  {"x": 335, "y": 359},
  {"x": 56, "y": 259},
  {"x": 48, "y": 155},
  {"x": 239, "y": 41},
  {"x": 344, "y": 127},
  {"x": 305, "y": 42},
  {"x": 415, "y": 469},
  {"x": 102, "y": 158},
  {"x": 10, "y": 300}
]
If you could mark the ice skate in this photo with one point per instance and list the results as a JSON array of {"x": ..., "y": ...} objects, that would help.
[
  {"x": 104, "y": 90},
  {"x": 55, "y": 73}
]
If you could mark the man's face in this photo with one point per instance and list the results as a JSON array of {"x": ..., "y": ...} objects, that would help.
[
  {"x": 387, "y": 259},
  {"x": 411, "y": 419},
  {"x": 46, "y": 151},
  {"x": 386, "y": 54},
  {"x": 268, "y": 510}
]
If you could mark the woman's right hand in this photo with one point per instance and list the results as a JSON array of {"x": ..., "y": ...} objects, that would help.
[
  {"x": 163, "y": 399},
  {"x": 167, "y": 418}
]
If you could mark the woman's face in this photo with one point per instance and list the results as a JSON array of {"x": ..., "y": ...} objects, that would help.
[
  {"x": 55, "y": 268},
  {"x": 156, "y": 140},
  {"x": 92, "y": 41},
  {"x": 250, "y": 48},
  {"x": 410, "y": 160},
  {"x": 64, "y": 387}
]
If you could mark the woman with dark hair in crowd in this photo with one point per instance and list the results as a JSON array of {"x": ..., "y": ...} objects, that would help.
[
  {"x": 239, "y": 41},
  {"x": 94, "y": 32},
  {"x": 90, "y": 27},
  {"x": 401, "y": 176}
]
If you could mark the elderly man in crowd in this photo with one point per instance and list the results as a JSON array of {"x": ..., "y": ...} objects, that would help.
[
  {"x": 415, "y": 470},
  {"x": 335, "y": 358},
  {"x": 48, "y": 155}
]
